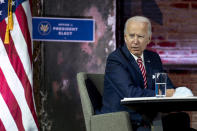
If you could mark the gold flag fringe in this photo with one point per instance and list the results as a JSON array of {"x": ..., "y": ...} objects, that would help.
[{"x": 10, "y": 23}]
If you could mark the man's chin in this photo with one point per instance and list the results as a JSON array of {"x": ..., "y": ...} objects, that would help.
[{"x": 136, "y": 53}]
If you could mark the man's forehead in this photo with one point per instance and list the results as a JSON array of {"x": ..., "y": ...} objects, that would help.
[
  {"x": 141, "y": 27},
  {"x": 137, "y": 24}
]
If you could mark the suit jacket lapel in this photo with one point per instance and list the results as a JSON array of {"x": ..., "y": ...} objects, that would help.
[
  {"x": 130, "y": 58},
  {"x": 132, "y": 63}
]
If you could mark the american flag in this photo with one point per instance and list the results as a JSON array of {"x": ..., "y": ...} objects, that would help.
[{"x": 17, "y": 109}]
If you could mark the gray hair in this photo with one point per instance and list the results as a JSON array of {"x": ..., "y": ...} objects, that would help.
[{"x": 139, "y": 19}]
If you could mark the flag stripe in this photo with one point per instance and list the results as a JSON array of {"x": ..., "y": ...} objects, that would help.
[
  {"x": 22, "y": 21},
  {"x": 13, "y": 82},
  {"x": 6, "y": 117},
  {"x": 27, "y": 9},
  {"x": 11, "y": 102},
  {"x": 2, "y": 128},
  {"x": 21, "y": 48},
  {"x": 18, "y": 67}
]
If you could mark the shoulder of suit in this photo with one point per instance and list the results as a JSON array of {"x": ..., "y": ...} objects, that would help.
[
  {"x": 151, "y": 53},
  {"x": 116, "y": 55},
  {"x": 115, "y": 52}
]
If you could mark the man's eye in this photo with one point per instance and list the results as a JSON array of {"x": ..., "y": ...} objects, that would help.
[
  {"x": 131, "y": 35},
  {"x": 140, "y": 36}
]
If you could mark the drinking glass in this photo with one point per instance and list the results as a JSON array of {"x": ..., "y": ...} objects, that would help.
[{"x": 160, "y": 84}]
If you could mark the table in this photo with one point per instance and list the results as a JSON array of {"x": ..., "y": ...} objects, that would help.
[{"x": 163, "y": 104}]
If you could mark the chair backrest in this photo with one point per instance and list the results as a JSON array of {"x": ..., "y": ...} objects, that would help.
[{"x": 90, "y": 89}]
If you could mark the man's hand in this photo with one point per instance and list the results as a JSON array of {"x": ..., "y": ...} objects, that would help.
[{"x": 169, "y": 92}]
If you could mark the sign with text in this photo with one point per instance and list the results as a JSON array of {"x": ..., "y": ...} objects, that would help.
[{"x": 63, "y": 29}]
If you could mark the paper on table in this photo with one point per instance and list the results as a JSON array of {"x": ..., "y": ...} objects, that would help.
[{"x": 182, "y": 92}]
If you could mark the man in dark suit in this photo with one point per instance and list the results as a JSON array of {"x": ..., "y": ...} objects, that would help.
[{"x": 125, "y": 76}]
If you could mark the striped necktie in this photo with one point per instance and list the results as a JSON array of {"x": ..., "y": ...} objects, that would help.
[{"x": 141, "y": 66}]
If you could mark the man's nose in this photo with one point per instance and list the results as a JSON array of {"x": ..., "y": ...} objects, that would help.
[{"x": 135, "y": 39}]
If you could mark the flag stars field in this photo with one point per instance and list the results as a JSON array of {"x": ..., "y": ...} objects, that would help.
[{"x": 2, "y": 1}]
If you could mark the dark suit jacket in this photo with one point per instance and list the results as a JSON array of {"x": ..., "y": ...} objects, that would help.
[{"x": 123, "y": 78}]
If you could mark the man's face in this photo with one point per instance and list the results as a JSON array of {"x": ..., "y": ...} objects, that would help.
[{"x": 136, "y": 37}]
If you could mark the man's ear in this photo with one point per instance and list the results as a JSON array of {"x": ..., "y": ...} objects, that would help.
[
  {"x": 149, "y": 39},
  {"x": 125, "y": 38}
]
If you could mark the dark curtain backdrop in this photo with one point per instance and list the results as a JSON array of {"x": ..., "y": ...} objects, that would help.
[{"x": 63, "y": 60}]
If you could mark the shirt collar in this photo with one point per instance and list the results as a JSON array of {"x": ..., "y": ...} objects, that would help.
[{"x": 135, "y": 57}]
